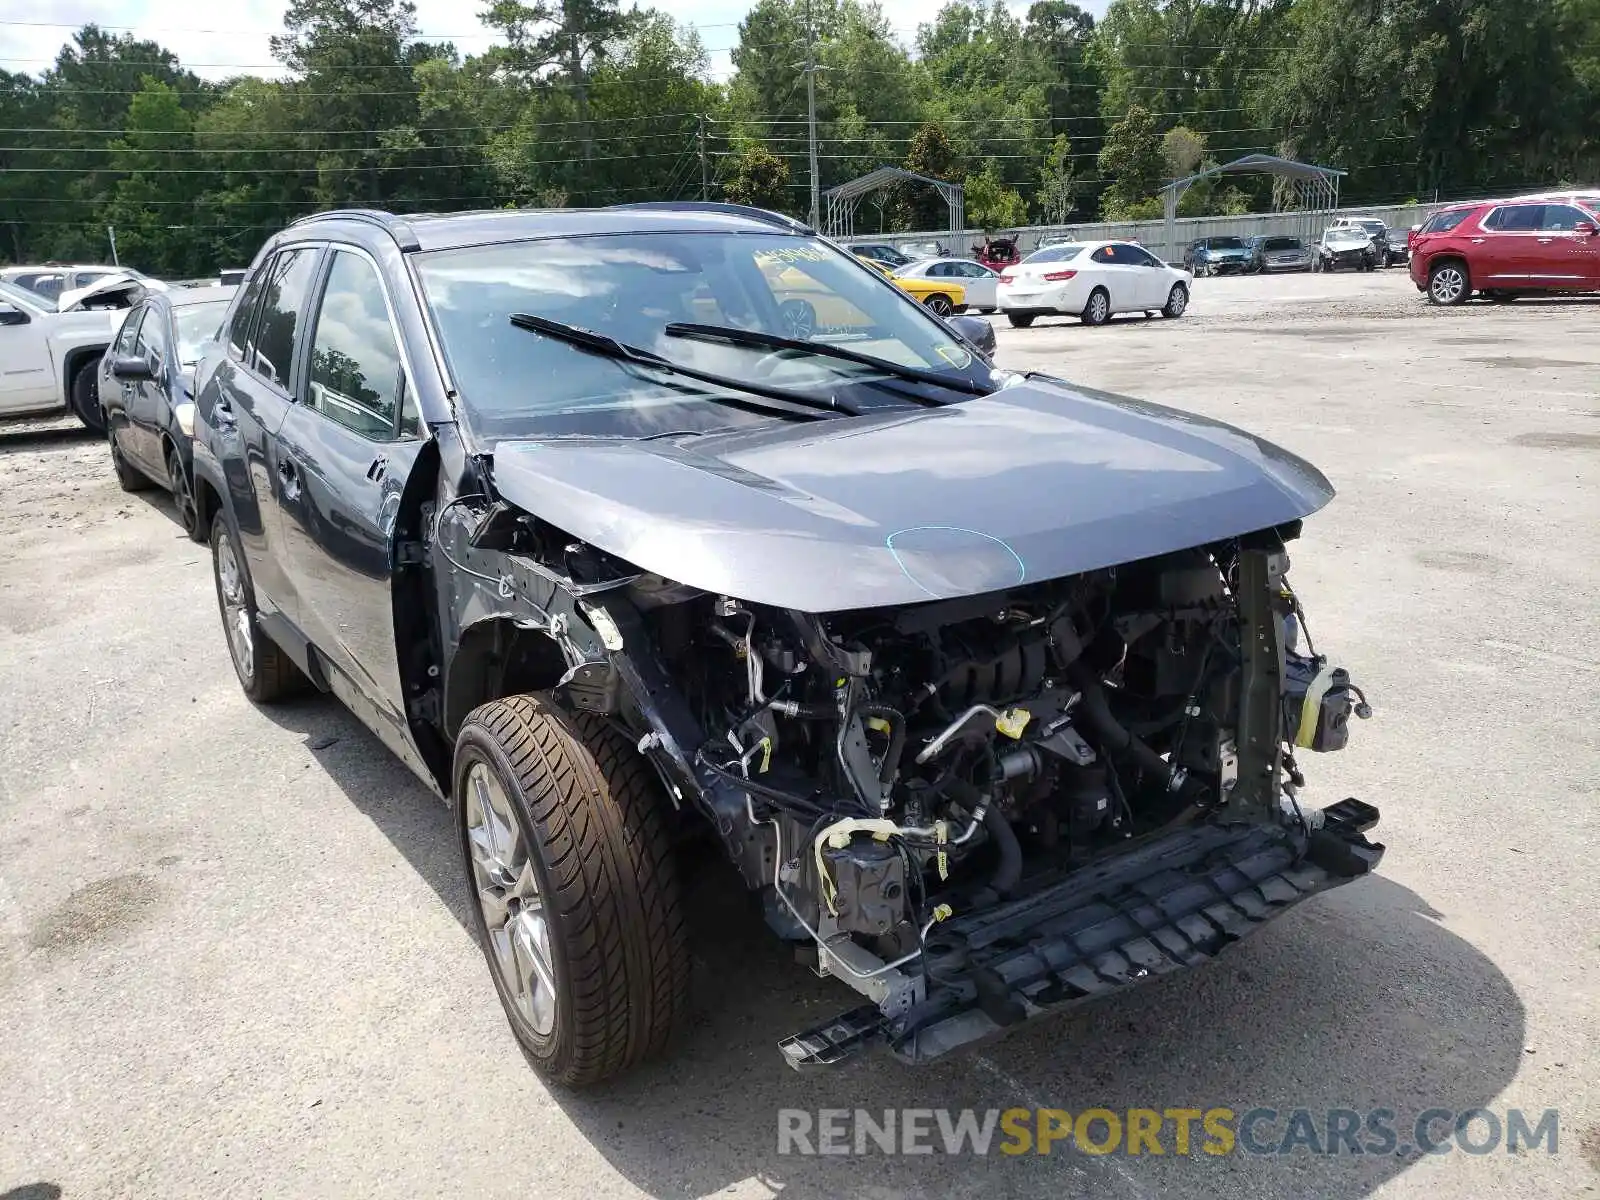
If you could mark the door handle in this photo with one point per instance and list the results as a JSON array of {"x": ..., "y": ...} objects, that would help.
[
  {"x": 1477, "y": 241},
  {"x": 376, "y": 470},
  {"x": 1545, "y": 241},
  {"x": 222, "y": 413}
]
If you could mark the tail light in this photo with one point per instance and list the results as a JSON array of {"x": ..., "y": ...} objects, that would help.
[
  {"x": 1058, "y": 276},
  {"x": 1004, "y": 278}
]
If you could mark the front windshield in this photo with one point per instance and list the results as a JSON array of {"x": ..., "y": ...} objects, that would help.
[
  {"x": 1280, "y": 243},
  {"x": 1227, "y": 243},
  {"x": 630, "y": 287},
  {"x": 1346, "y": 235},
  {"x": 197, "y": 325}
]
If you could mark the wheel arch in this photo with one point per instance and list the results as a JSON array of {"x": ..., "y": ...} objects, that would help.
[
  {"x": 495, "y": 658},
  {"x": 76, "y": 361}
]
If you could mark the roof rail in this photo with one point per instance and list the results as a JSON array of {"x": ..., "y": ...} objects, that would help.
[
  {"x": 717, "y": 206},
  {"x": 394, "y": 225}
]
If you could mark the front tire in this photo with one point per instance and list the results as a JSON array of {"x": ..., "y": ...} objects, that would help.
[
  {"x": 265, "y": 672},
  {"x": 1020, "y": 320},
  {"x": 1448, "y": 284},
  {"x": 1177, "y": 301},
  {"x": 85, "y": 392},
  {"x": 1098, "y": 309},
  {"x": 573, "y": 887}
]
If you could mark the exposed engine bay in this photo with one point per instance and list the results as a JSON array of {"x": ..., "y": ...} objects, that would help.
[{"x": 900, "y": 766}]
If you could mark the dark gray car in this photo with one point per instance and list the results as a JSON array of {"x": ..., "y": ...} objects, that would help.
[{"x": 989, "y": 686}]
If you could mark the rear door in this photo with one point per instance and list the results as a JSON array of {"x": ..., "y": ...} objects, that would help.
[
  {"x": 249, "y": 397},
  {"x": 349, "y": 446},
  {"x": 1502, "y": 251},
  {"x": 979, "y": 281},
  {"x": 1115, "y": 271}
]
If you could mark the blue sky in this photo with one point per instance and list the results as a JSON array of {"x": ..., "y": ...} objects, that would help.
[{"x": 223, "y": 39}]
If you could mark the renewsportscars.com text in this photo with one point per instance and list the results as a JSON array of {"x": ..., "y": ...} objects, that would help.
[{"x": 1176, "y": 1131}]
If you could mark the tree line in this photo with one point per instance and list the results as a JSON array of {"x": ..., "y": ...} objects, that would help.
[{"x": 1045, "y": 116}]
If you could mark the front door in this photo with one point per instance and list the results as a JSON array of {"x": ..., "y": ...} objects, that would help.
[
  {"x": 27, "y": 372},
  {"x": 144, "y": 400},
  {"x": 350, "y": 444},
  {"x": 1565, "y": 258}
]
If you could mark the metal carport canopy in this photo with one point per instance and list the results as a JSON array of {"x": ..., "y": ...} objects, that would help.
[
  {"x": 1317, "y": 185},
  {"x": 839, "y": 220}
]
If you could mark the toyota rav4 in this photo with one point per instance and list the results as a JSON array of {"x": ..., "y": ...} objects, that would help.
[{"x": 990, "y": 686}]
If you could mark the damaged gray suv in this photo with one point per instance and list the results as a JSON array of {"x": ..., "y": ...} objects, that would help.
[{"x": 629, "y": 524}]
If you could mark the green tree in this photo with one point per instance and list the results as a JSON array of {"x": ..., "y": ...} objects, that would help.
[
  {"x": 1132, "y": 160},
  {"x": 990, "y": 204},
  {"x": 1058, "y": 184},
  {"x": 759, "y": 178},
  {"x": 918, "y": 205}
]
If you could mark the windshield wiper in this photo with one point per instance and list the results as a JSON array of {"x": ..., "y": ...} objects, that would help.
[
  {"x": 609, "y": 347},
  {"x": 773, "y": 341}
]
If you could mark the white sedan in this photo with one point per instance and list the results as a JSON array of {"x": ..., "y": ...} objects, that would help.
[
  {"x": 976, "y": 280},
  {"x": 1092, "y": 280}
]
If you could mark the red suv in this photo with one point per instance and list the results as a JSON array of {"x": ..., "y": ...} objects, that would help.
[{"x": 1503, "y": 248}]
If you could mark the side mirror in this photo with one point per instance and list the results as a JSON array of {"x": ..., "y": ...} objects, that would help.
[
  {"x": 130, "y": 369},
  {"x": 1584, "y": 229},
  {"x": 976, "y": 332},
  {"x": 11, "y": 315}
]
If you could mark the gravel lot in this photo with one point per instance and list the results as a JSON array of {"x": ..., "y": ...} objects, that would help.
[{"x": 232, "y": 952}]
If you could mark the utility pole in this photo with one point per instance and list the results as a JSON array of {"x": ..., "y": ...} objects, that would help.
[
  {"x": 705, "y": 177},
  {"x": 811, "y": 112},
  {"x": 111, "y": 232}
]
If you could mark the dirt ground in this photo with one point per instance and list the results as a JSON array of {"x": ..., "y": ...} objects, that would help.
[{"x": 233, "y": 958}]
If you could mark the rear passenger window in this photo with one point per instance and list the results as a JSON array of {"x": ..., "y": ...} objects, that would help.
[
  {"x": 285, "y": 287},
  {"x": 355, "y": 362},
  {"x": 1516, "y": 218}
]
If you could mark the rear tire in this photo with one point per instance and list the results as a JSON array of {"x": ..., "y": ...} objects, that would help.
[
  {"x": 85, "y": 392},
  {"x": 572, "y": 885},
  {"x": 265, "y": 672},
  {"x": 183, "y": 497},
  {"x": 939, "y": 305},
  {"x": 1448, "y": 283},
  {"x": 1097, "y": 311},
  {"x": 1020, "y": 320}
]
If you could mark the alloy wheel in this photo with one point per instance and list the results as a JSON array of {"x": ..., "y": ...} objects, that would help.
[
  {"x": 1099, "y": 308},
  {"x": 182, "y": 493},
  {"x": 508, "y": 894},
  {"x": 939, "y": 306},
  {"x": 235, "y": 608},
  {"x": 1448, "y": 285}
]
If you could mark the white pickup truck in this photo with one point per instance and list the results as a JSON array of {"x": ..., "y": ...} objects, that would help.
[{"x": 49, "y": 349}]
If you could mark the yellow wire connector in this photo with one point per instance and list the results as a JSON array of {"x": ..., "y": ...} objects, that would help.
[{"x": 1012, "y": 722}]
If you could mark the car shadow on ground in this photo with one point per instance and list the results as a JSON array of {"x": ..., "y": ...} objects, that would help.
[
  {"x": 1359, "y": 999},
  {"x": 28, "y": 435}
]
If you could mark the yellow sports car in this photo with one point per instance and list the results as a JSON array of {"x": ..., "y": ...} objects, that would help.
[{"x": 942, "y": 296}]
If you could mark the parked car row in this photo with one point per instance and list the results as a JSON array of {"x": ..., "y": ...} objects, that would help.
[
  {"x": 736, "y": 543},
  {"x": 53, "y": 335}
]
